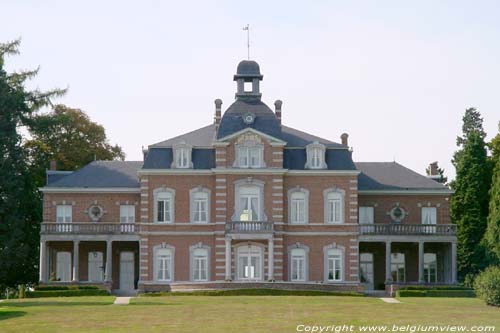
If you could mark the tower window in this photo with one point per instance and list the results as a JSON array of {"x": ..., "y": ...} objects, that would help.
[{"x": 248, "y": 87}]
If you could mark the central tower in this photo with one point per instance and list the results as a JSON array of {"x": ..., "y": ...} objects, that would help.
[{"x": 248, "y": 79}]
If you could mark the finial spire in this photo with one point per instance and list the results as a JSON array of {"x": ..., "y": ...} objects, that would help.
[{"x": 247, "y": 28}]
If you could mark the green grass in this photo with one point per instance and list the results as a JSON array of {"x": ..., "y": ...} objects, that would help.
[
  {"x": 234, "y": 314},
  {"x": 254, "y": 292}
]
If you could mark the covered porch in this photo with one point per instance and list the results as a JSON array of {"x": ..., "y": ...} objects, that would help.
[{"x": 112, "y": 262}]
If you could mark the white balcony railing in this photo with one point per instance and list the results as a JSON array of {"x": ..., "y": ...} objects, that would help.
[
  {"x": 248, "y": 227},
  {"x": 408, "y": 229},
  {"x": 88, "y": 228}
]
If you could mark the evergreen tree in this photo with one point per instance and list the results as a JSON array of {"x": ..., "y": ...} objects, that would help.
[
  {"x": 493, "y": 232},
  {"x": 20, "y": 205},
  {"x": 469, "y": 204}
]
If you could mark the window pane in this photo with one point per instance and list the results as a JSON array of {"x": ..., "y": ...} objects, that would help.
[
  {"x": 255, "y": 156},
  {"x": 161, "y": 210}
]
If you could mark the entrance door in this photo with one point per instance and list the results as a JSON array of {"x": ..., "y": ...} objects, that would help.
[
  {"x": 127, "y": 270},
  {"x": 250, "y": 263},
  {"x": 63, "y": 266},
  {"x": 96, "y": 267},
  {"x": 366, "y": 267}
]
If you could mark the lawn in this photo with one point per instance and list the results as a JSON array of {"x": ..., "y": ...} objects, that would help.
[{"x": 235, "y": 313}]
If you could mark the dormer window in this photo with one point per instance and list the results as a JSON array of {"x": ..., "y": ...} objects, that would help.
[
  {"x": 182, "y": 156},
  {"x": 249, "y": 157},
  {"x": 315, "y": 156},
  {"x": 249, "y": 152}
]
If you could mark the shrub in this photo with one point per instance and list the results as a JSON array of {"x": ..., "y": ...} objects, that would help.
[
  {"x": 255, "y": 292},
  {"x": 411, "y": 293},
  {"x": 450, "y": 293},
  {"x": 69, "y": 287},
  {"x": 487, "y": 285},
  {"x": 66, "y": 293}
]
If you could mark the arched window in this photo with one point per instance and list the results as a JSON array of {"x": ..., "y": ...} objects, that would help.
[
  {"x": 315, "y": 156},
  {"x": 200, "y": 264},
  {"x": 334, "y": 265},
  {"x": 164, "y": 205},
  {"x": 298, "y": 203},
  {"x": 182, "y": 156},
  {"x": 249, "y": 203},
  {"x": 298, "y": 264},
  {"x": 200, "y": 205},
  {"x": 164, "y": 264},
  {"x": 334, "y": 206}
]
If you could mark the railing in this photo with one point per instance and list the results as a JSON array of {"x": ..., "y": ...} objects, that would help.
[
  {"x": 88, "y": 228},
  {"x": 408, "y": 229},
  {"x": 248, "y": 227}
]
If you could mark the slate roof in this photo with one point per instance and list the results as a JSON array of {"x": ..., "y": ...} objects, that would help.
[
  {"x": 393, "y": 176},
  {"x": 265, "y": 119},
  {"x": 103, "y": 174},
  {"x": 201, "y": 137},
  {"x": 248, "y": 68},
  {"x": 336, "y": 159},
  {"x": 204, "y": 136},
  {"x": 161, "y": 158},
  {"x": 55, "y": 175}
]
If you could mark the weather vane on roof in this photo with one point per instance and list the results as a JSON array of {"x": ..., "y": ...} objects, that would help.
[{"x": 247, "y": 28}]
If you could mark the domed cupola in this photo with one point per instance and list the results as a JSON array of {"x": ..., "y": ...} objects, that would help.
[{"x": 248, "y": 110}]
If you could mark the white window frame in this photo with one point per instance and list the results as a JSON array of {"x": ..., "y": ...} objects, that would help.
[
  {"x": 293, "y": 205},
  {"x": 64, "y": 213},
  {"x": 127, "y": 213},
  {"x": 193, "y": 261},
  {"x": 333, "y": 253},
  {"x": 241, "y": 186},
  {"x": 168, "y": 251},
  {"x": 396, "y": 264},
  {"x": 430, "y": 264},
  {"x": 181, "y": 150},
  {"x": 366, "y": 215},
  {"x": 305, "y": 251},
  {"x": 194, "y": 204},
  {"x": 429, "y": 214},
  {"x": 316, "y": 153},
  {"x": 167, "y": 195},
  {"x": 329, "y": 213},
  {"x": 245, "y": 153}
]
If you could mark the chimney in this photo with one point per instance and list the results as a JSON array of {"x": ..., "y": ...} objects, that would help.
[
  {"x": 433, "y": 169},
  {"x": 344, "y": 139},
  {"x": 53, "y": 165},
  {"x": 277, "y": 109},
  {"x": 218, "y": 104}
]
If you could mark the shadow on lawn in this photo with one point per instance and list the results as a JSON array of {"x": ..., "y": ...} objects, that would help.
[
  {"x": 8, "y": 314},
  {"x": 54, "y": 303}
]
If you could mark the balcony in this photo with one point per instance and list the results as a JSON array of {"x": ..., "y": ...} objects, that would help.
[
  {"x": 88, "y": 228},
  {"x": 249, "y": 227},
  {"x": 408, "y": 229}
]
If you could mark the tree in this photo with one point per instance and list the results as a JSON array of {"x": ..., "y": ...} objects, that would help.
[
  {"x": 469, "y": 204},
  {"x": 20, "y": 205},
  {"x": 493, "y": 231},
  {"x": 69, "y": 137},
  {"x": 472, "y": 122}
]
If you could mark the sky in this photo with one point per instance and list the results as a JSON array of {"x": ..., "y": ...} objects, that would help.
[{"x": 395, "y": 75}]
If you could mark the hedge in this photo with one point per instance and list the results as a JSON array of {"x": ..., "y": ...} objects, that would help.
[
  {"x": 255, "y": 292},
  {"x": 435, "y": 288},
  {"x": 66, "y": 293},
  {"x": 435, "y": 293},
  {"x": 70, "y": 287},
  {"x": 411, "y": 293}
]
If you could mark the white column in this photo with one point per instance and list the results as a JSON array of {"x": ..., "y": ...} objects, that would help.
[
  {"x": 270, "y": 260},
  {"x": 388, "y": 276},
  {"x": 228, "y": 258},
  {"x": 421, "y": 277},
  {"x": 76, "y": 247},
  {"x": 453, "y": 262},
  {"x": 43, "y": 261},
  {"x": 109, "y": 266}
]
